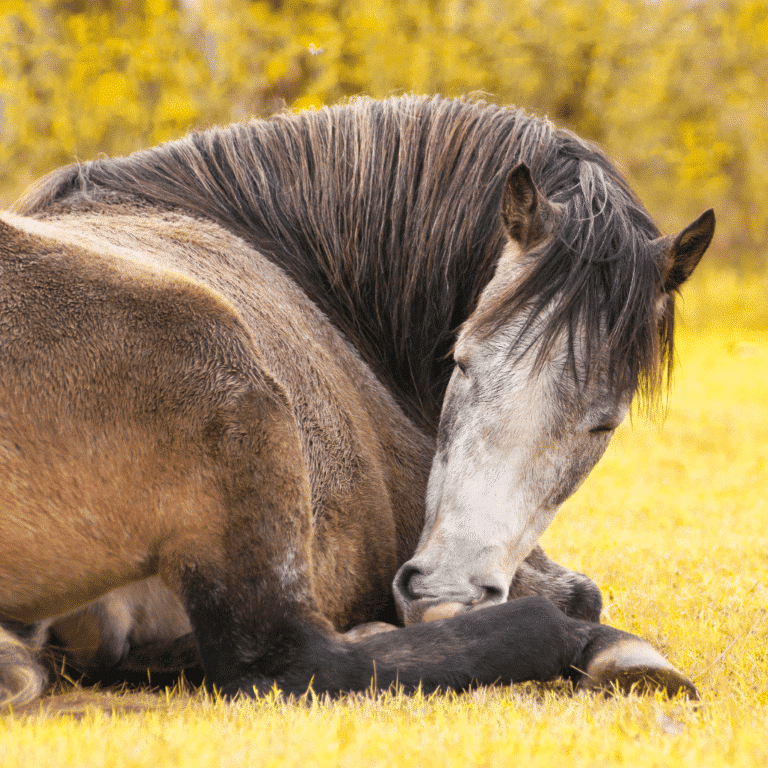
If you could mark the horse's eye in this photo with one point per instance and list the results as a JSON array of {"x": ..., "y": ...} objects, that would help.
[
  {"x": 462, "y": 366},
  {"x": 602, "y": 429}
]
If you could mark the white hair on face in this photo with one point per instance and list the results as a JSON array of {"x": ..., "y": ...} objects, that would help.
[{"x": 519, "y": 434}]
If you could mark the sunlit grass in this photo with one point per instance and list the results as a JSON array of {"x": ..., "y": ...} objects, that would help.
[{"x": 673, "y": 525}]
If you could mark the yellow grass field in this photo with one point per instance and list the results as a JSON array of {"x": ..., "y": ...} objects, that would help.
[{"x": 673, "y": 525}]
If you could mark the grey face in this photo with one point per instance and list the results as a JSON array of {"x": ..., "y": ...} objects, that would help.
[
  {"x": 515, "y": 440},
  {"x": 518, "y": 434}
]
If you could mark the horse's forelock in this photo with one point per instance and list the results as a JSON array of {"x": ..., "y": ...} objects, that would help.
[{"x": 597, "y": 276}]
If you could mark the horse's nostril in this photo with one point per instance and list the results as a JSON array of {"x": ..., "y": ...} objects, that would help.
[
  {"x": 492, "y": 595},
  {"x": 402, "y": 583}
]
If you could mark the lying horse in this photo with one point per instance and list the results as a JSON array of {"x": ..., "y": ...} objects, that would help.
[{"x": 223, "y": 366}]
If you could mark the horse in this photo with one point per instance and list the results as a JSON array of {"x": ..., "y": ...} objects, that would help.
[{"x": 297, "y": 381}]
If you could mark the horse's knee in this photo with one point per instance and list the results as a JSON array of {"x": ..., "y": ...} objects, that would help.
[
  {"x": 583, "y": 599},
  {"x": 573, "y": 593},
  {"x": 22, "y": 676}
]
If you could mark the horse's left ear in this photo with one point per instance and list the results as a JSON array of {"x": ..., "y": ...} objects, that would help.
[
  {"x": 527, "y": 214},
  {"x": 685, "y": 251}
]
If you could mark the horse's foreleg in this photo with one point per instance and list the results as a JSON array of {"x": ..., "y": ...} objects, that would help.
[
  {"x": 526, "y": 639},
  {"x": 246, "y": 581}
]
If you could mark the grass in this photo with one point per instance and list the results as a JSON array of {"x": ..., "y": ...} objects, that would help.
[{"x": 673, "y": 525}]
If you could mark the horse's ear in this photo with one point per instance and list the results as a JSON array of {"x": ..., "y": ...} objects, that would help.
[
  {"x": 527, "y": 214},
  {"x": 684, "y": 252}
]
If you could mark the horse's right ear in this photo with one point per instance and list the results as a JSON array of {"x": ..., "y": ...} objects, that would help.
[{"x": 527, "y": 214}]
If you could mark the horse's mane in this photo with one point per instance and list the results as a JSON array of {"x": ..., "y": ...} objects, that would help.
[{"x": 387, "y": 215}]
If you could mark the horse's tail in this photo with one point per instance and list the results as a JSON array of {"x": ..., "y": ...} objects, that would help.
[{"x": 23, "y": 677}]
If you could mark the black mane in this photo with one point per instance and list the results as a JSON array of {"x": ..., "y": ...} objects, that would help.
[{"x": 387, "y": 215}]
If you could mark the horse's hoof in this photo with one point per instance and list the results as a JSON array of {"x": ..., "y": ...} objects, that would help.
[
  {"x": 634, "y": 666},
  {"x": 442, "y": 611},
  {"x": 369, "y": 629}
]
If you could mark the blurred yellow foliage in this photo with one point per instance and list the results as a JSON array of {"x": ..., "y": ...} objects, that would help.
[{"x": 676, "y": 90}]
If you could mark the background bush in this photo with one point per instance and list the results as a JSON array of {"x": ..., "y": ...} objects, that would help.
[{"x": 676, "y": 91}]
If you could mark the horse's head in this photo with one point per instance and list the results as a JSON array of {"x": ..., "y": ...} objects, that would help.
[{"x": 545, "y": 370}]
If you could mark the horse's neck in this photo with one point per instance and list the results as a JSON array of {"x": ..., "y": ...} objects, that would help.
[
  {"x": 405, "y": 340},
  {"x": 398, "y": 346}
]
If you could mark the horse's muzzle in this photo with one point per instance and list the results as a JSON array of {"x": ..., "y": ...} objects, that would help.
[{"x": 423, "y": 596}]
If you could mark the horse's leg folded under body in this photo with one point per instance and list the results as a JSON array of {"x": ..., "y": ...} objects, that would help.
[
  {"x": 574, "y": 593},
  {"x": 140, "y": 628},
  {"x": 525, "y": 639}
]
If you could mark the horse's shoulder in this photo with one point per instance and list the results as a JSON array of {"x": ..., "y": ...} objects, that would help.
[{"x": 84, "y": 298}]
